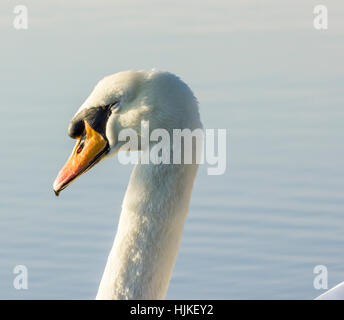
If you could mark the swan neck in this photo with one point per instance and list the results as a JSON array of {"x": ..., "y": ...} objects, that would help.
[{"x": 150, "y": 228}]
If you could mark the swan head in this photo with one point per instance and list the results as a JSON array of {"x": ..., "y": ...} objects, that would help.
[{"x": 125, "y": 100}]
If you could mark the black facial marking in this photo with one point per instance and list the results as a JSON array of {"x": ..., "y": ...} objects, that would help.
[{"x": 96, "y": 117}]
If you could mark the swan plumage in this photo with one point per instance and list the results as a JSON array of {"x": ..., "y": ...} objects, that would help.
[
  {"x": 335, "y": 293},
  {"x": 156, "y": 202}
]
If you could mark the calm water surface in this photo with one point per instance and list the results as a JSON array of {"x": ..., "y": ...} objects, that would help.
[{"x": 259, "y": 70}]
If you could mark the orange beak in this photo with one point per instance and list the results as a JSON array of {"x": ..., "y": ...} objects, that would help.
[{"x": 88, "y": 151}]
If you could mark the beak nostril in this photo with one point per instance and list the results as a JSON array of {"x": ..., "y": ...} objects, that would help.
[
  {"x": 80, "y": 148},
  {"x": 81, "y": 143}
]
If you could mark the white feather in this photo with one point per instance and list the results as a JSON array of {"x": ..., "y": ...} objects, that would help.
[{"x": 335, "y": 293}]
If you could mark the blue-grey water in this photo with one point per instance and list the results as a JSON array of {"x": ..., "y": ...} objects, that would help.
[{"x": 260, "y": 70}]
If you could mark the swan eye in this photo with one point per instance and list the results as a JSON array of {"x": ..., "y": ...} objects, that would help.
[{"x": 114, "y": 106}]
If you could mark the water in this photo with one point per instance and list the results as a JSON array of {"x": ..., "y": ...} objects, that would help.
[{"x": 260, "y": 70}]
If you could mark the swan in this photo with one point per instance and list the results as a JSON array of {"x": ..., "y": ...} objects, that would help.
[
  {"x": 335, "y": 293},
  {"x": 155, "y": 205}
]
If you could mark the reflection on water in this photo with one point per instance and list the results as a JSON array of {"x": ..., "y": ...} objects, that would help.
[{"x": 260, "y": 71}]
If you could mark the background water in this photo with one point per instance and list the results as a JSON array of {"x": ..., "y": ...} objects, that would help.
[{"x": 258, "y": 69}]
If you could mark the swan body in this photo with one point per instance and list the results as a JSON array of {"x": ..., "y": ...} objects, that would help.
[
  {"x": 335, "y": 293},
  {"x": 157, "y": 198}
]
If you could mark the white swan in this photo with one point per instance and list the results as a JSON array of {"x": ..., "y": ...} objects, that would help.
[
  {"x": 335, "y": 293},
  {"x": 156, "y": 202}
]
